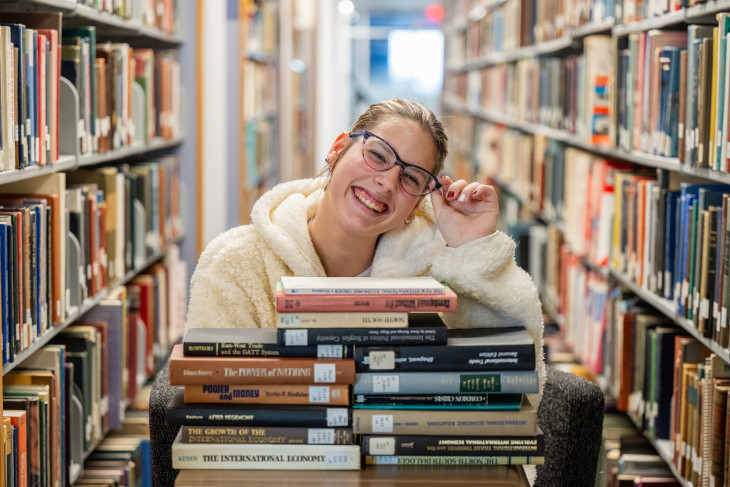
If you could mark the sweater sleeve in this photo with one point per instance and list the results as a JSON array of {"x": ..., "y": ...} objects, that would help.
[
  {"x": 493, "y": 291},
  {"x": 228, "y": 288}
]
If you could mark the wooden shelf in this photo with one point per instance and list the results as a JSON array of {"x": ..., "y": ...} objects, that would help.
[{"x": 109, "y": 25}]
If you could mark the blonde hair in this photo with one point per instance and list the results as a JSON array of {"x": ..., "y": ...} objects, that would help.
[{"x": 408, "y": 110}]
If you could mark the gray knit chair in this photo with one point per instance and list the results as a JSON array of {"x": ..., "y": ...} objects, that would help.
[{"x": 570, "y": 415}]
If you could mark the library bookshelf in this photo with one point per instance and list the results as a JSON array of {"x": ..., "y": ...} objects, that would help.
[
  {"x": 90, "y": 223},
  {"x": 278, "y": 88},
  {"x": 604, "y": 126}
]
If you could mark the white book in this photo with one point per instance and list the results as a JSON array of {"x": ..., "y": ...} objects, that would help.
[
  {"x": 240, "y": 456},
  {"x": 342, "y": 320},
  {"x": 361, "y": 285}
]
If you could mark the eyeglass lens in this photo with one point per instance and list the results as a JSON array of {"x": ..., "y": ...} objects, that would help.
[{"x": 380, "y": 157}]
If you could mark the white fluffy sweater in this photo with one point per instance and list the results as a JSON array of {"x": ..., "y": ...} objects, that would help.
[{"x": 234, "y": 282}]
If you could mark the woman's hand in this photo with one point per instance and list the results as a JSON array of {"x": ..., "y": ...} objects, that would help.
[{"x": 465, "y": 212}]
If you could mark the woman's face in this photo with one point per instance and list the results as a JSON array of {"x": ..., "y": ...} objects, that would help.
[{"x": 366, "y": 202}]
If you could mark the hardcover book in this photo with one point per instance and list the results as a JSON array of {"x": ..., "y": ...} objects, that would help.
[
  {"x": 361, "y": 285},
  {"x": 466, "y": 349},
  {"x": 341, "y": 320},
  {"x": 438, "y": 401},
  {"x": 451, "y": 460},
  {"x": 264, "y": 456},
  {"x": 287, "y": 303},
  {"x": 274, "y": 435},
  {"x": 423, "y": 328},
  {"x": 197, "y": 414},
  {"x": 258, "y": 370},
  {"x": 506, "y": 382},
  {"x": 453, "y": 445},
  {"x": 269, "y": 394},
  {"x": 455, "y": 423},
  {"x": 252, "y": 342}
]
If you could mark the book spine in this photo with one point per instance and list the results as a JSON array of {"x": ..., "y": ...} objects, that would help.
[
  {"x": 455, "y": 423},
  {"x": 362, "y": 336},
  {"x": 515, "y": 382},
  {"x": 356, "y": 303},
  {"x": 498, "y": 446},
  {"x": 451, "y": 460},
  {"x": 266, "y": 457},
  {"x": 487, "y": 401},
  {"x": 340, "y": 320},
  {"x": 448, "y": 358},
  {"x": 282, "y": 417},
  {"x": 268, "y": 394},
  {"x": 247, "y": 349},
  {"x": 264, "y": 435},
  {"x": 222, "y": 371}
]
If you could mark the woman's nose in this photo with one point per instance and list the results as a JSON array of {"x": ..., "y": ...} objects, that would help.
[{"x": 390, "y": 178}]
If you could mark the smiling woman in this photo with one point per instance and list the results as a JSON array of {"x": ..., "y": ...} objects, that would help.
[{"x": 379, "y": 210}]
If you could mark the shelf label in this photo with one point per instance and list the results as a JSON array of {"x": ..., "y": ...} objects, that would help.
[
  {"x": 337, "y": 458},
  {"x": 381, "y": 446},
  {"x": 386, "y": 383},
  {"x": 295, "y": 338},
  {"x": 320, "y": 436},
  {"x": 382, "y": 423},
  {"x": 325, "y": 373},
  {"x": 319, "y": 394},
  {"x": 382, "y": 360},
  {"x": 336, "y": 417},
  {"x": 330, "y": 351}
]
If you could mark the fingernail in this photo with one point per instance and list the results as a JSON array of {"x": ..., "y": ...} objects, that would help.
[
  {"x": 462, "y": 197},
  {"x": 450, "y": 194}
]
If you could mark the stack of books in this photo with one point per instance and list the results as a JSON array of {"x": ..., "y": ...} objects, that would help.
[
  {"x": 251, "y": 403},
  {"x": 423, "y": 394}
]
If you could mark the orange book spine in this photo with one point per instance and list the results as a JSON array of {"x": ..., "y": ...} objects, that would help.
[
  {"x": 336, "y": 394},
  {"x": 258, "y": 370}
]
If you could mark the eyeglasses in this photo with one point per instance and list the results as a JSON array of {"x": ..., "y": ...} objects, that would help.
[{"x": 380, "y": 155}]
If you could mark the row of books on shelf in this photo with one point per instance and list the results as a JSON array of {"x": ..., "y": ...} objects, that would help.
[
  {"x": 666, "y": 95},
  {"x": 36, "y": 51},
  {"x": 345, "y": 379},
  {"x": 160, "y": 14},
  {"x": 512, "y": 24},
  {"x": 66, "y": 397},
  {"x": 67, "y": 237},
  {"x": 628, "y": 459},
  {"x": 663, "y": 231},
  {"x": 666, "y": 379},
  {"x": 571, "y": 93}
]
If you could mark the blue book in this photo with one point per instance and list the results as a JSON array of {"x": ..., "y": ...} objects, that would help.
[
  {"x": 88, "y": 34},
  {"x": 664, "y": 373},
  {"x": 688, "y": 193},
  {"x": 670, "y": 242},
  {"x": 16, "y": 37},
  {"x": 5, "y": 315},
  {"x": 146, "y": 450}
]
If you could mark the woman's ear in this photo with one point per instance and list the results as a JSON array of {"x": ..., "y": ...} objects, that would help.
[{"x": 336, "y": 149}]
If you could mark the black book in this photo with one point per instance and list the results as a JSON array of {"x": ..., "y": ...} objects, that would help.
[
  {"x": 179, "y": 413},
  {"x": 437, "y": 401},
  {"x": 510, "y": 348},
  {"x": 252, "y": 342},
  {"x": 498, "y": 446},
  {"x": 422, "y": 329}
]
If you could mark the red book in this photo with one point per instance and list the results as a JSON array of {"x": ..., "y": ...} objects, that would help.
[
  {"x": 258, "y": 370},
  {"x": 432, "y": 303}
]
